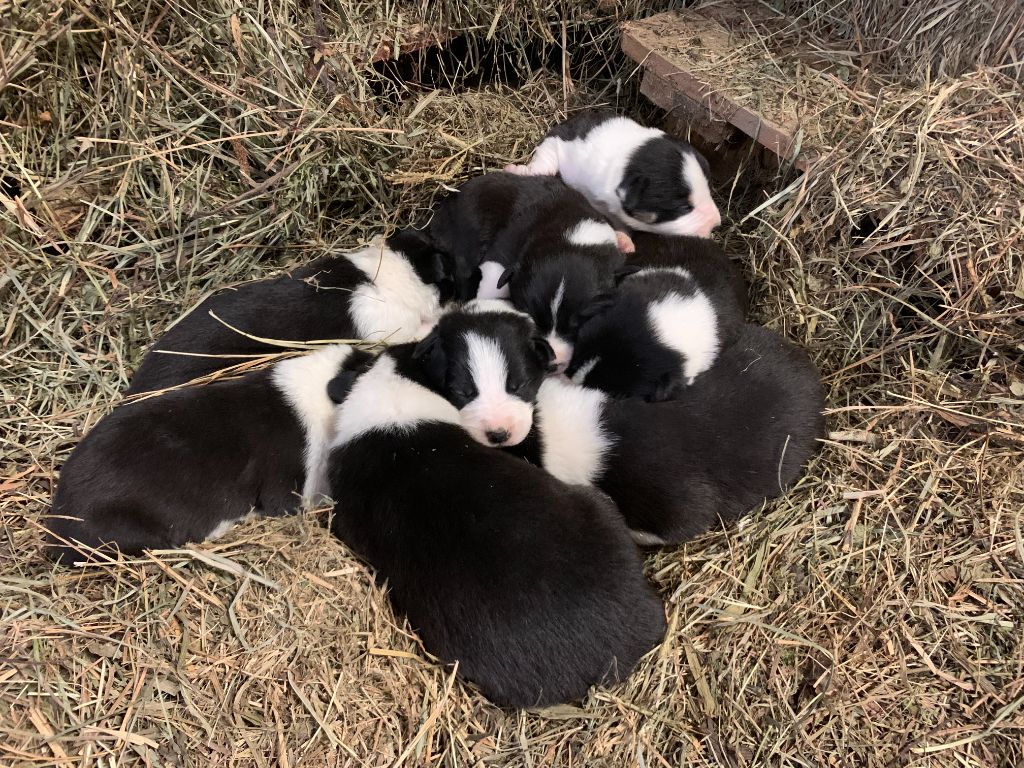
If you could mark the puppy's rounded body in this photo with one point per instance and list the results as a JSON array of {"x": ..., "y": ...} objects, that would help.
[
  {"x": 186, "y": 464},
  {"x": 547, "y": 250},
  {"x": 678, "y": 305},
  {"x": 739, "y": 435},
  {"x": 388, "y": 290},
  {"x": 534, "y": 587},
  {"x": 637, "y": 175}
]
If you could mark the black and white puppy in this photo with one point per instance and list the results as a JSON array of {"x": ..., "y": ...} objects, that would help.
[
  {"x": 187, "y": 464},
  {"x": 392, "y": 289},
  {"x": 488, "y": 361},
  {"x": 637, "y": 175},
  {"x": 739, "y": 435},
  {"x": 532, "y": 586},
  {"x": 534, "y": 241},
  {"x": 679, "y": 301}
]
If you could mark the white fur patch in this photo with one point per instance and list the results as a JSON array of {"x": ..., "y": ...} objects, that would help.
[
  {"x": 645, "y": 539},
  {"x": 545, "y": 160},
  {"x": 705, "y": 215},
  {"x": 490, "y": 273},
  {"x": 562, "y": 350},
  {"x": 680, "y": 271},
  {"x": 494, "y": 408},
  {"x": 688, "y": 325},
  {"x": 584, "y": 370},
  {"x": 592, "y": 232},
  {"x": 574, "y": 442},
  {"x": 396, "y": 305},
  {"x": 303, "y": 382},
  {"x": 484, "y": 306},
  {"x": 382, "y": 399},
  {"x": 226, "y": 525}
]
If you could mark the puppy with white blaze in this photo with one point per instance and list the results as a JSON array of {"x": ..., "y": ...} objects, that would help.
[
  {"x": 487, "y": 360},
  {"x": 678, "y": 302},
  {"x": 739, "y": 435},
  {"x": 638, "y": 176},
  {"x": 534, "y": 241},
  {"x": 187, "y": 464},
  {"x": 391, "y": 289},
  {"x": 532, "y": 586}
]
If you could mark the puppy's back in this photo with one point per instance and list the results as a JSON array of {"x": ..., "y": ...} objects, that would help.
[
  {"x": 740, "y": 434},
  {"x": 167, "y": 470},
  {"x": 311, "y": 302},
  {"x": 533, "y": 586}
]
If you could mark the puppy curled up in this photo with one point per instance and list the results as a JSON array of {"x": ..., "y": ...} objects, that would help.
[
  {"x": 532, "y": 240},
  {"x": 186, "y": 464},
  {"x": 740, "y": 434},
  {"x": 532, "y": 586},
  {"x": 640, "y": 177},
  {"x": 391, "y": 289},
  {"x": 678, "y": 302}
]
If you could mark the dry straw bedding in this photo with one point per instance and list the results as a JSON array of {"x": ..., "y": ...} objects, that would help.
[{"x": 873, "y": 616}]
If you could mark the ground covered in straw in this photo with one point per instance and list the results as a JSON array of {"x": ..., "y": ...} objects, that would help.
[{"x": 150, "y": 152}]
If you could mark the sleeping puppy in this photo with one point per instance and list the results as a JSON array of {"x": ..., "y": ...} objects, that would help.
[
  {"x": 392, "y": 290},
  {"x": 532, "y": 586},
  {"x": 638, "y": 176},
  {"x": 534, "y": 241},
  {"x": 739, "y": 435},
  {"x": 488, "y": 361},
  {"x": 679, "y": 301},
  {"x": 187, "y": 464}
]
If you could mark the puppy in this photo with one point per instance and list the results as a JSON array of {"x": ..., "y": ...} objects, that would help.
[
  {"x": 391, "y": 290},
  {"x": 488, "y": 361},
  {"x": 638, "y": 176},
  {"x": 532, "y": 586},
  {"x": 535, "y": 241},
  {"x": 739, "y": 435},
  {"x": 679, "y": 301},
  {"x": 189, "y": 463}
]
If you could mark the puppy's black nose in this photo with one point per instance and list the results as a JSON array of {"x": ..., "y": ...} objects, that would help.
[{"x": 498, "y": 436}]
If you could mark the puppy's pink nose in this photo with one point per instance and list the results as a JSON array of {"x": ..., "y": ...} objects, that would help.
[{"x": 708, "y": 217}]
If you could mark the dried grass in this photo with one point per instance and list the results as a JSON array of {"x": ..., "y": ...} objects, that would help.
[{"x": 870, "y": 618}]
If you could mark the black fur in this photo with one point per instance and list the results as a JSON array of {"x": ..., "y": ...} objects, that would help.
[
  {"x": 520, "y": 222},
  {"x": 739, "y": 435},
  {"x": 309, "y": 303},
  {"x": 617, "y": 329},
  {"x": 167, "y": 470},
  {"x": 533, "y": 586},
  {"x": 466, "y": 223},
  {"x": 578, "y": 126},
  {"x": 653, "y": 189}
]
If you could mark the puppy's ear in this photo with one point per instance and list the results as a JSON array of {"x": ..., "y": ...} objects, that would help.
[
  {"x": 506, "y": 277},
  {"x": 632, "y": 190},
  {"x": 625, "y": 271},
  {"x": 339, "y": 387},
  {"x": 544, "y": 351},
  {"x": 598, "y": 305},
  {"x": 427, "y": 347},
  {"x": 430, "y": 355}
]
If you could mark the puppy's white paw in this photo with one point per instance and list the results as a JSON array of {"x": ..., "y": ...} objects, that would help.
[{"x": 624, "y": 242}]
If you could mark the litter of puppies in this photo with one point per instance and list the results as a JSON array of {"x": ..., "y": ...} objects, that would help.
[{"x": 501, "y": 502}]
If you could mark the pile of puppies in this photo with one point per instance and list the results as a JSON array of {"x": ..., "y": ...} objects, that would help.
[{"x": 567, "y": 375}]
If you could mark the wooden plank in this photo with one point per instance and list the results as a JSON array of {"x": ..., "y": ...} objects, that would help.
[
  {"x": 704, "y": 63},
  {"x": 681, "y": 108}
]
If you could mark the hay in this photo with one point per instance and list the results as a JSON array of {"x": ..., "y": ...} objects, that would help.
[{"x": 872, "y": 617}]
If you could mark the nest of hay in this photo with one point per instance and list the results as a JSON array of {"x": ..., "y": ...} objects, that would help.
[{"x": 872, "y": 616}]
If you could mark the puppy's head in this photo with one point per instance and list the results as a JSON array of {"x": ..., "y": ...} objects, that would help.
[
  {"x": 665, "y": 189},
  {"x": 488, "y": 361},
  {"x": 432, "y": 266},
  {"x": 554, "y": 292}
]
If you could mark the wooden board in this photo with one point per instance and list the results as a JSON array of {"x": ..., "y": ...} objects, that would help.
[{"x": 718, "y": 76}]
